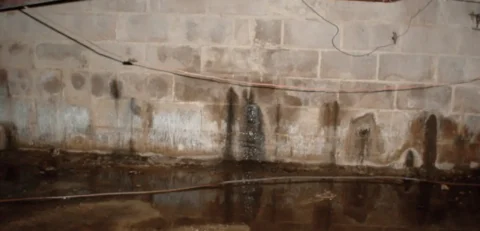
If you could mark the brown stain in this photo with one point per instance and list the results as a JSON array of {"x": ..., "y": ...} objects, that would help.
[
  {"x": 278, "y": 118},
  {"x": 440, "y": 140},
  {"x": 3, "y": 77},
  {"x": 430, "y": 144},
  {"x": 458, "y": 144},
  {"x": 330, "y": 123},
  {"x": 232, "y": 100},
  {"x": 364, "y": 140},
  {"x": 115, "y": 89},
  {"x": 98, "y": 85},
  {"x": 291, "y": 100},
  {"x": 147, "y": 121},
  {"x": 53, "y": 86},
  {"x": 4, "y": 83},
  {"x": 16, "y": 48},
  {"x": 78, "y": 81},
  {"x": 158, "y": 86},
  {"x": 187, "y": 57},
  {"x": 414, "y": 137}
]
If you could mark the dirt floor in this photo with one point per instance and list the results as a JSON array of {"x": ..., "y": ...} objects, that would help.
[{"x": 389, "y": 205}]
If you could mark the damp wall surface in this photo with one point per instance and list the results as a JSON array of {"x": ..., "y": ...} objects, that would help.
[{"x": 55, "y": 93}]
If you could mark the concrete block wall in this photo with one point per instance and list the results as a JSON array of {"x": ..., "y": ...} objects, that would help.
[{"x": 55, "y": 93}]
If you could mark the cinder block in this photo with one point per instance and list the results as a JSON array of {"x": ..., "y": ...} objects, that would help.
[
  {"x": 49, "y": 128},
  {"x": 435, "y": 99},
  {"x": 49, "y": 83},
  {"x": 299, "y": 121},
  {"x": 297, "y": 9},
  {"x": 364, "y": 97},
  {"x": 368, "y": 36},
  {"x": 19, "y": 27},
  {"x": 179, "y": 6},
  {"x": 137, "y": 28},
  {"x": 102, "y": 84},
  {"x": 95, "y": 27},
  {"x": 66, "y": 7},
  {"x": 422, "y": 39},
  {"x": 291, "y": 63},
  {"x": 78, "y": 88},
  {"x": 133, "y": 85},
  {"x": 107, "y": 139},
  {"x": 431, "y": 15},
  {"x": 105, "y": 113},
  {"x": 243, "y": 32},
  {"x": 20, "y": 82},
  {"x": 238, "y": 7},
  {"x": 61, "y": 55},
  {"x": 468, "y": 43},
  {"x": 308, "y": 34},
  {"x": 457, "y": 13},
  {"x": 200, "y": 30},
  {"x": 174, "y": 57},
  {"x": 466, "y": 99},
  {"x": 123, "y": 51},
  {"x": 189, "y": 90},
  {"x": 160, "y": 86},
  {"x": 23, "y": 117},
  {"x": 347, "y": 11},
  {"x": 412, "y": 68},
  {"x": 314, "y": 99},
  {"x": 16, "y": 54},
  {"x": 268, "y": 32},
  {"x": 335, "y": 65},
  {"x": 451, "y": 69},
  {"x": 235, "y": 61},
  {"x": 175, "y": 128},
  {"x": 77, "y": 119},
  {"x": 119, "y": 5},
  {"x": 472, "y": 70}
]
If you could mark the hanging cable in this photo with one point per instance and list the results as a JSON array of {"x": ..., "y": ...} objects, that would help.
[
  {"x": 282, "y": 179},
  {"x": 395, "y": 36},
  {"x": 213, "y": 78}
]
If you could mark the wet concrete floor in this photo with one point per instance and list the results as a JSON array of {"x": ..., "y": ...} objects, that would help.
[{"x": 322, "y": 205}]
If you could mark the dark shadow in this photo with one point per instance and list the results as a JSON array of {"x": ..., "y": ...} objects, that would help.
[
  {"x": 232, "y": 101},
  {"x": 11, "y": 134}
]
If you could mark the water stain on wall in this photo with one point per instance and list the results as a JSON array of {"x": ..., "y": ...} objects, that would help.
[
  {"x": 430, "y": 144},
  {"x": 232, "y": 101},
  {"x": 458, "y": 144},
  {"x": 330, "y": 123},
  {"x": 252, "y": 139},
  {"x": 364, "y": 140}
]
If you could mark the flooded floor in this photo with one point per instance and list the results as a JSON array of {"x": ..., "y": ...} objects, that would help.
[{"x": 314, "y": 205}]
